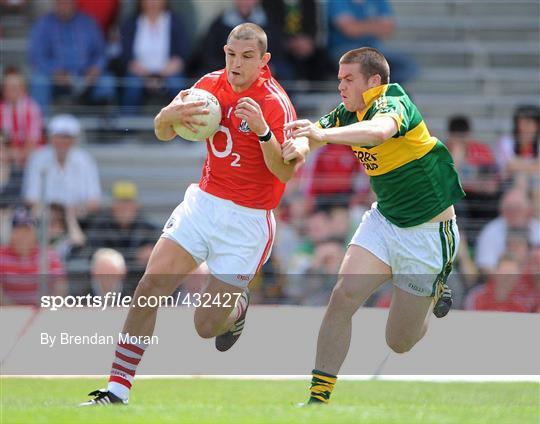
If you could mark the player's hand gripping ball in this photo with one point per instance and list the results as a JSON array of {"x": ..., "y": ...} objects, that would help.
[{"x": 211, "y": 120}]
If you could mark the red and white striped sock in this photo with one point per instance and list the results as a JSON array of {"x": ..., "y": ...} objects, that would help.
[{"x": 126, "y": 358}]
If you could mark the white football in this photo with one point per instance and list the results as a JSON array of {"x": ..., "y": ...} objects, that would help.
[{"x": 212, "y": 120}]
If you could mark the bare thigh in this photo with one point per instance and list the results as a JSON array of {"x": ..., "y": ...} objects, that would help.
[
  {"x": 169, "y": 263},
  {"x": 361, "y": 273},
  {"x": 407, "y": 320}
]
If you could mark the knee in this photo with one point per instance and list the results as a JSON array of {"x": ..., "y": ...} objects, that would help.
[
  {"x": 343, "y": 297},
  {"x": 205, "y": 328},
  {"x": 400, "y": 345}
]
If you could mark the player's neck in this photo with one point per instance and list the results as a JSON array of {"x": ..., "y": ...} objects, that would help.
[
  {"x": 243, "y": 87},
  {"x": 240, "y": 88}
]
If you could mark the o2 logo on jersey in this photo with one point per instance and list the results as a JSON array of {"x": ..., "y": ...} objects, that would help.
[
  {"x": 244, "y": 126},
  {"x": 227, "y": 150}
]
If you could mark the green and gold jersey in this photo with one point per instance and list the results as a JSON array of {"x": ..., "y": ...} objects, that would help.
[{"x": 412, "y": 173}]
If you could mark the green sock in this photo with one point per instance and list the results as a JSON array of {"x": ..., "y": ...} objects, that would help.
[{"x": 321, "y": 388}]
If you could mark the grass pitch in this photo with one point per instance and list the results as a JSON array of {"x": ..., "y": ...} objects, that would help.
[{"x": 257, "y": 401}]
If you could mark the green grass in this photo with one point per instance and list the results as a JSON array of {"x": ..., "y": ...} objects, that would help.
[{"x": 248, "y": 401}]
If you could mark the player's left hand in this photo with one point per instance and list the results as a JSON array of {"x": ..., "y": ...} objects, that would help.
[
  {"x": 305, "y": 128},
  {"x": 250, "y": 111}
]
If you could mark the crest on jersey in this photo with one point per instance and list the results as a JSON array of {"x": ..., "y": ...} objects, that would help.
[{"x": 244, "y": 126}]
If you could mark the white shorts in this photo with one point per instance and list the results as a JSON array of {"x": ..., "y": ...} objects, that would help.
[
  {"x": 421, "y": 257},
  {"x": 233, "y": 240}
]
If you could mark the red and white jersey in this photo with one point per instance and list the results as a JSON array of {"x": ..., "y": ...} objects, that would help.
[{"x": 234, "y": 168}]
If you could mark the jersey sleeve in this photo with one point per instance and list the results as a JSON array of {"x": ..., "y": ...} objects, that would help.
[
  {"x": 332, "y": 119},
  {"x": 279, "y": 112},
  {"x": 393, "y": 108}
]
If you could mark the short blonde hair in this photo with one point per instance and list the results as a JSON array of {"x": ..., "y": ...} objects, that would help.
[{"x": 249, "y": 31}]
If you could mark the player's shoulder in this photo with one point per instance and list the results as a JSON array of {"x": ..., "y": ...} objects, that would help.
[
  {"x": 275, "y": 97},
  {"x": 210, "y": 80}
]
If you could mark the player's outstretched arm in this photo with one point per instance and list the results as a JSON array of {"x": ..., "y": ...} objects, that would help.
[
  {"x": 365, "y": 133},
  {"x": 297, "y": 149},
  {"x": 178, "y": 112},
  {"x": 250, "y": 111}
]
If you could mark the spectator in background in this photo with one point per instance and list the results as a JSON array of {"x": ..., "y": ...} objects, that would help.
[
  {"x": 331, "y": 174},
  {"x": 20, "y": 117},
  {"x": 67, "y": 54},
  {"x": 20, "y": 265},
  {"x": 104, "y": 12},
  {"x": 515, "y": 214},
  {"x": 10, "y": 175},
  {"x": 353, "y": 24},
  {"x": 517, "y": 243},
  {"x": 501, "y": 292},
  {"x": 530, "y": 282},
  {"x": 108, "y": 270},
  {"x": 296, "y": 20},
  {"x": 209, "y": 55},
  {"x": 477, "y": 170},
  {"x": 69, "y": 174},
  {"x": 124, "y": 228},
  {"x": 518, "y": 154},
  {"x": 154, "y": 52},
  {"x": 10, "y": 187},
  {"x": 65, "y": 234},
  {"x": 320, "y": 276}
]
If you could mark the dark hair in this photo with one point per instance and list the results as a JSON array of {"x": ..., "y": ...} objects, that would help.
[
  {"x": 12, "y": 70},
  {"x": 531, "y": 112},
  {"x": 459, "y": 124},
  {"x": 372, "y": 62}
]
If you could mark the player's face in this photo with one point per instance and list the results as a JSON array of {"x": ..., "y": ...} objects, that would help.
[
  {"x": 243, "y": 62},
  {"x": 352, "y": 84}
]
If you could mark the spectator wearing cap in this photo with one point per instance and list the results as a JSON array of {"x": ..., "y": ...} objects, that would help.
[
  {"x": 67, "y": 54},
  {"x": 515, "y": 215},
  {"x": 123, "y": 227},
  {"x": 20, "y": 117},
  {"x": 66, "y": 173},
  {"x": 20, "y": 273}
]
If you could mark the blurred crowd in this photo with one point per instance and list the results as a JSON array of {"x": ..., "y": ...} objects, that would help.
[
  {"x": 59, "y": 235},
  {"x": 110, "y": 52}
]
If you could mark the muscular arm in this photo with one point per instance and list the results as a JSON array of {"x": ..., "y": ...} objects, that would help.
[
  {"x": 178, "y": 112},
  {"x": 249, "y": 110},
  {"x": 365, "y": 133},
  {"x": 274, "y": 162}
]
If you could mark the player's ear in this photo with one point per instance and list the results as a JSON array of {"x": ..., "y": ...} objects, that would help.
[
  {"x": 266, "y": 58},
  {"x": 374, "y": 81},
  {"x": 225, "y": 49}
]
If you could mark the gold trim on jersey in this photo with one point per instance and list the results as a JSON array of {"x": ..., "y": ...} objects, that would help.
[{"x": 396, "y": 152}]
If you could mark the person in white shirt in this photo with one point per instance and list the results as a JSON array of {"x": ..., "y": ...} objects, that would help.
[
  {"x": 62, "y": 172},
  {"x": 515, "y": 214}
]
